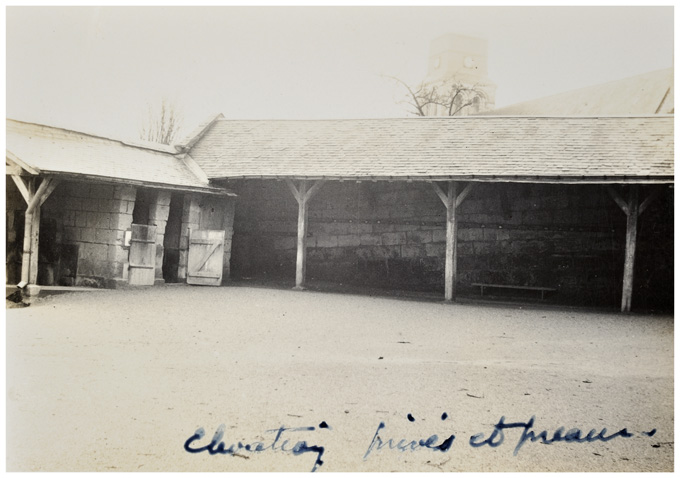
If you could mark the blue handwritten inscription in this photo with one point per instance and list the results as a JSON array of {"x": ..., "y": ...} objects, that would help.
[
  {"x": 573, "y": 435},
  {"x": 496, "y": 437},
  {"x": 218, "y": 447},
  {"x": 405, "y": 444}
]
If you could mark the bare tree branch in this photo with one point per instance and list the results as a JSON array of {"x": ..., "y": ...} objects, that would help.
[
  {"x": 161, "y": 126},
  {"x": 452, "y": 95}
]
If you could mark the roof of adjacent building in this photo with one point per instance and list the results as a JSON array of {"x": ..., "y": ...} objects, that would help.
[
  {"x": 50, "y": 150},
  {"x": 547, "y": 149},
  {"x": 647, "y": 94}
]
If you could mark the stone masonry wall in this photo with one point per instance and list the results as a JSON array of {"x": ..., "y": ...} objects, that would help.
[
  {"x": 93, "y": 217},
  {"x": 83, "y": 226},
  {"x": 570, "y": 237},
  {"x": 158, "y": 215}
]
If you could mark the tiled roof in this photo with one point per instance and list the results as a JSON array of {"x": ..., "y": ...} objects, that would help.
[
  {"x": 645, "y": 94},
  {"x": 58, "y": 151},
  {"x": 477, "y": 147}
]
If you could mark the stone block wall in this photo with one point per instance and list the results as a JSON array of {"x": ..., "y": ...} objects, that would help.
[
  {"x": 94, "y": 218},
  {"x": 570, "y": 237},
  {"x": 83, "y": 227},
  {"x": 158, "y": 215}
]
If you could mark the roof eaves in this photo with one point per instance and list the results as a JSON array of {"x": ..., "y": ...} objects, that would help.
[
  {"x": 108, "y": 179},
  {"x": 22, "y": 164},
  {"x": 578, "y": 179}
]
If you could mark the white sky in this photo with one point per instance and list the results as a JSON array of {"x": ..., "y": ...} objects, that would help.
[{"x": 96, "y": 69}]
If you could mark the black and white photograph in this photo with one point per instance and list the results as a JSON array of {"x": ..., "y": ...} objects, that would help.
[{"x": 320, "y": 238}]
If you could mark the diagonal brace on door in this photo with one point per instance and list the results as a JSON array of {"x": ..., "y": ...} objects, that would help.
[{"x": 213, "y": 247}]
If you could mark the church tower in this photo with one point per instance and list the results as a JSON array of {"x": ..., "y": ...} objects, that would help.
[{"x": 463, "y": 60}]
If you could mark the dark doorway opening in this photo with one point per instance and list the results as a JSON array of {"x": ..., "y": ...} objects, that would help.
[
  {"x": 144, "y": 199},
  {"x": 171, "y": 240}
]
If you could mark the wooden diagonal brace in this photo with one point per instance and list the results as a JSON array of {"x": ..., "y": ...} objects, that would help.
[
  {"x": 442, "y": 195},
  {"x": 464, "y": 194},
  {"x": 48, "y": 191},
  {"x": 23, "y": 188},
  {"x": 44, "y": 188},
  {"x": 313, "y": 190},
  {"x": 293, "y": 189},
  {"x": 652, "y": 196},
  {"x": 207, "y": 255},
  {"x": 618, "y": 199},
  {"x": 458, "y": 200}
]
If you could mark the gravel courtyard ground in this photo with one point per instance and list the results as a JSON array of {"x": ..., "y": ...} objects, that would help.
[{"x": 120, "y": 380}]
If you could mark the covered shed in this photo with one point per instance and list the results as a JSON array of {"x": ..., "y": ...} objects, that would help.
[
  {"x": 88, "y": 210},
  {"x": 553, "y": 203}
]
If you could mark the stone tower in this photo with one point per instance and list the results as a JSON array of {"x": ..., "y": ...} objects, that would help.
[{"x": 462, "y": 59}]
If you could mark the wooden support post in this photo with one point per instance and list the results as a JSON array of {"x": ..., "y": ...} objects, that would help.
[
  {"x": 633, "y": 209},
  {"x": 302, "y": 195},
  {"x": 35, "y": 235},
  {"x": 451, "y": 239},
  {"x": 451, "y": 200},
  {"x": 28, "y": 224},
  {"x": 631, "y": 239},
  {"x": 34, "y": 200},
  {"x": 301, "y": 261}
]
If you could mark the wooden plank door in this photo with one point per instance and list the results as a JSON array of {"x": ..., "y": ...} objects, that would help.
[
  {"x": 206, "y": 251},
  {"x": 142, "y": 268}
]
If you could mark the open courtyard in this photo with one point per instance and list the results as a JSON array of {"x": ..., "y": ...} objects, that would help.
[{"x": 121, "y": 380}]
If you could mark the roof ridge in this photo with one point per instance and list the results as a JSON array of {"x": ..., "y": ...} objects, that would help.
[
  {"x": 159, "y": 148},
  {"x": 192, "y": 138}
]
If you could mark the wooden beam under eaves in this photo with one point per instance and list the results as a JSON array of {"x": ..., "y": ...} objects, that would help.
[
  {"x": 13, "y": 160},
  {"x": 14, "y": 170}
]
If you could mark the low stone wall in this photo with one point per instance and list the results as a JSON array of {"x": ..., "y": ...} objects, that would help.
[{"x": 393, "y": 235}]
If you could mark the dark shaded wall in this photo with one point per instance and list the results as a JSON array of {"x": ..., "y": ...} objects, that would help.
[
  {"x": 570, "y": 237},
  {"x": 82, "y": 234},
  {"x": 15, "y": 208}
]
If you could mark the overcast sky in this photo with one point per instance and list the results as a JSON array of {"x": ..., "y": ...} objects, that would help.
[{"x": 96, "y": 69}]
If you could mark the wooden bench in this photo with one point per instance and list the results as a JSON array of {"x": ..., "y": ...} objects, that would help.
[{"x": 543, "y": 290}]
